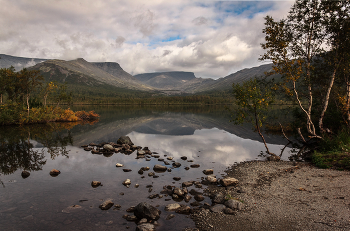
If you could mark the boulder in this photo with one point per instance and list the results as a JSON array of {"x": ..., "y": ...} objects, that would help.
[
  {"x": 107, "y": 204},
  {"x": 145, "y": 227},
  {"x": 172, "y": 207},
  {"x": 228, "y": 181},
  {"x": 108, "y": 147},
  {"x": 234, "y": 204},
  {"x": 125, "y": 140},
  {"x": 145, "y": 210},
  {"x": 217, "y": 208},
  {"x": 159, "y": 168},
  {"x": 95, "y": 184},
  {"x": 25, "y": 174},
  {"x": 208, "y": 171}
]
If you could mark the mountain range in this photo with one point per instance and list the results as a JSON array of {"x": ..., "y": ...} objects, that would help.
[{"x": 102, "y": 74}]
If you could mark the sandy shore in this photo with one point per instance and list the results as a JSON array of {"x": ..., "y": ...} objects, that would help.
[{"x": 282, "y": 196}]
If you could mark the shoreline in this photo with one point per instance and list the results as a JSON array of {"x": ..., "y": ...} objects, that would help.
[{"x": 282, "y": 195}]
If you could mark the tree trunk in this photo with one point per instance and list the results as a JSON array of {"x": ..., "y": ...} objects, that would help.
[
  {"x": 262, "y": 137},
  {"x": 326, "y": 100}
]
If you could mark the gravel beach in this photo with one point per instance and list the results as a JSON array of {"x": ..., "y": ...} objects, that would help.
[{"x": 282, "y": 196}]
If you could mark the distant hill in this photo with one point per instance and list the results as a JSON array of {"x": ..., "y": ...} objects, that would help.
[
  {"x": 110, "y": 74},
  {"x": 186, "y": 82}
]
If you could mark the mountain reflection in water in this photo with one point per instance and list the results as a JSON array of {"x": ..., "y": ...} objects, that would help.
[{"x": 42, "y": 202}]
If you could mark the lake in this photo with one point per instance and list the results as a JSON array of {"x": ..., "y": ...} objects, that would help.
[{"x": 68, "y": 201}]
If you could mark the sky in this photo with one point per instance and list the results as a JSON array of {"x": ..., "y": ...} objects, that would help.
[{"x": 210, "y": 38}]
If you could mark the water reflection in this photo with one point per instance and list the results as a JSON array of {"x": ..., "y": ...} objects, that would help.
[
  {"x": 19, "y": 146},
  {"x": 42, "y": 202}
]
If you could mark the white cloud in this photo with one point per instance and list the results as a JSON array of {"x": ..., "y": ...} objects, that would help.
[{"x": 212, "y": 39}]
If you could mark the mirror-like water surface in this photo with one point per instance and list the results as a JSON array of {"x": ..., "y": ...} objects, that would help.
[{"x": 68, "y": 202}]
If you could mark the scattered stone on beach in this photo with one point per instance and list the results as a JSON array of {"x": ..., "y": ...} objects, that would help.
[
  {"x": 127, "y": 182},
  {"x": 95, "y": 184},
  {"x": 159, "y": 168},
  {"x": 228, "y": 181},
  {"x": 234, "y": 204},
  {"x": 170, "y": 157},
  {"x": 166, "y": 163},
  {"x": 151, "y": 174},
  {"x": 145, "y": 227},
  {"x": 140, "y": 172},
  {"x": 178, "y": 191},
  {"x": 145, "y": 168},
  {"x": 107, "y": 204},
  {"x": 127, "y": 170},
  {"x": 218, "y": 198},
  {"x": 119, "y": 165},
  {"x": 187, "y": 168},
  {"x": 229, "y": 211},
  {"x": 137, "y": 185},
  {"x": 217, "y": 208},
  {"x": 176, "y": 178},
  {"x": 141, "y": 152},
  {"x": 183, "y": 157},
  {"x": 172, "y": 207},
  {"x": 54, "y": 172},
  {"x": 25, "y": 174},
  {"x": 145, "y": 210},
  {"x": 208, "y": 171}
]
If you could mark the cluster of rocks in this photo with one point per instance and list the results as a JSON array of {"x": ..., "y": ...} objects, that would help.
[{"x": 123, "y": 145}]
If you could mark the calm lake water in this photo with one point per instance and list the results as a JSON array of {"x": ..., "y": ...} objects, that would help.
[{"x": 43, "y": 202}]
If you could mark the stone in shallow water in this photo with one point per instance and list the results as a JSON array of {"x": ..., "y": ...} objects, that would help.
[
  {"x": 145, "y": 210},
  {"x": 172, "y": 207},
  {"x": 54, "y": 172},
  {"x": 159, "y": 168},
  {"x": 95, "y": 184},
  {"x": 25, "y": 174},
  {"x": 208, "y": 171},
  {"x": 119, "y": 165},
  {"x": 145, "y": 227},
  {"x": 127, "y": 182},
  {"x": 107, "y": 204}
]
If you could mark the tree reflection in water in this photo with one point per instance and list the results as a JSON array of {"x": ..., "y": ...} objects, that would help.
[{"x": 17, "y": 149}]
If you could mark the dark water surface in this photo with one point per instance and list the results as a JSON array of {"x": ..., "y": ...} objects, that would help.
[{"x": 43, "y": 202}]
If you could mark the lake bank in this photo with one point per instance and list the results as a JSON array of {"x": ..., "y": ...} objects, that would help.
[{"x": 282, "y": 196}]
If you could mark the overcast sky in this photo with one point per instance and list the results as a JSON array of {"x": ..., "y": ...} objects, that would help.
[{"x": 210, "y": 38}]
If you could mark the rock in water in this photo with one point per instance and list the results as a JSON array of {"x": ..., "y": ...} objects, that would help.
[
  {"x": 159, "y": 168},
  {"x": 212, "y": 179},
  {"x": 25, "y": 174},
  {"x": 107, "y": 204},
  {"x": 125, "y": 140},
  {"x": 127, "y": 182},
  {"x": 208, "y": 171},
  {"x": 144, "y": 210},
  {"x": 95, "y": 184},
  {"x": 54, "y": 172},
  {"x": 119, "y": 165},
  {"x": 172, "y": 207},
  {"x": 108, "y": 147}
]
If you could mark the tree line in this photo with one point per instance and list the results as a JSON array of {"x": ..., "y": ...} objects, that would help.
[{"x": 310, "y": 49}]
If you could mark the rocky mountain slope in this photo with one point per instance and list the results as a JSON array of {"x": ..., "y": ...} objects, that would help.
[
  {"x": 79, "y": 71},
  {"x": 18, "y": 63}
]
